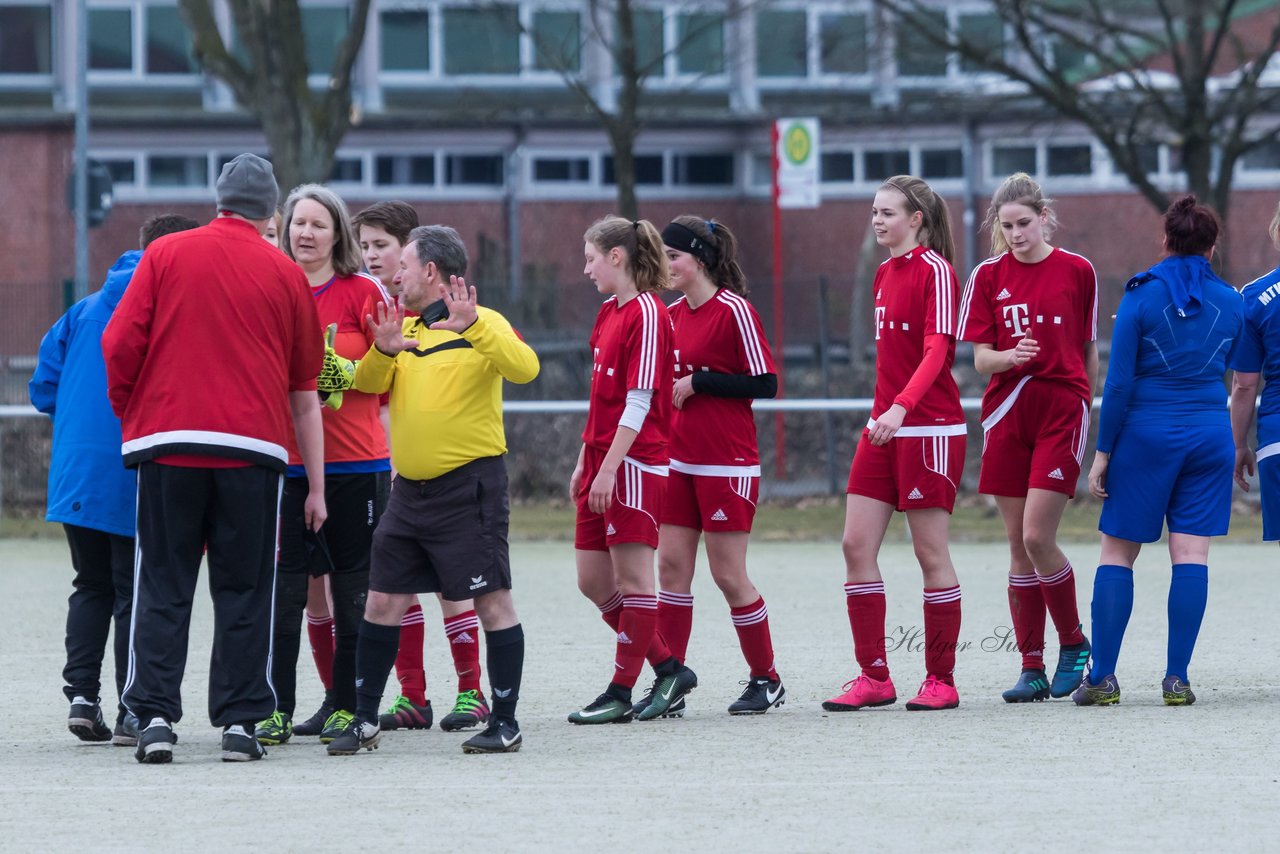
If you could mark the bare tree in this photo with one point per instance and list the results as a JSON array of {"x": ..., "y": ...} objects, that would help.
[
  {"x": 268, "y": 75},
  {"x": 618, "y": 26},
  {"x": 1188, "y": 73}
]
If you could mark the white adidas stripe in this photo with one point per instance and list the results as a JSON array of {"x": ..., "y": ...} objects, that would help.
[{"x": 742, "y": 312}]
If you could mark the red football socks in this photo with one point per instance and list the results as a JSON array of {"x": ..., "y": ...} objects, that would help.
[
  {"x": 866, "y": 619},
  {"x": 752, "y": 624},
  {"x": 320, "y": 634},
  {"x": 675, "y": 621},
  {"x": 941, "y": 631},
  {"x": 1026, "y": 607},
  {"x": 409, "y": 670},
  {"x": 463, "y": 632},
  {"x": 1059, "y": 591}
]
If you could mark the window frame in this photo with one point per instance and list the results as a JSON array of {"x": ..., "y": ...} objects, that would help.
[
  {"x": 137, "y": 74},
  {"x": 36, "y": 80}
]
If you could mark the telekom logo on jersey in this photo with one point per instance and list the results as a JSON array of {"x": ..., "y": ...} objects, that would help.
[{"x": 1017, "y": 318}]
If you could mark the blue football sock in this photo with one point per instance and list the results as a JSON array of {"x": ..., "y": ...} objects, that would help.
[
  {"x": 1112, "y": 605},
  {"x": 1188, "y": 592}
]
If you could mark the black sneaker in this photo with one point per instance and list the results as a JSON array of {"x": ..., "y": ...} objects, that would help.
[
  {"x": 85, "y": 721},
  {"x": 155, "y": 742},
  {"x": 314, "y": 725},
  {"x": 126, "y": 731},
  {"x": 667, "y": 692},
  {"x": 1032, "y": 687},
  {"x": 675, "y": 710},
  {"x": 762, "y": 694},
  {"x": 359, "y": 735},
  {"x": 239, "y": 744},
  {"x": 500, "y": 736}
]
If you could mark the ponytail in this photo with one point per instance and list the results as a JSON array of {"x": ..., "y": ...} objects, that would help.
[
  {"x": 640, "y": 240},
  {"x": 1017, "y": 189},
  {"x": 935, "y": 227},
  {"x": 714, "y": 245}
]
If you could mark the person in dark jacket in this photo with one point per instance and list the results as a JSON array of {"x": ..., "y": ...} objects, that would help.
[{"x": 91, "y": 492}]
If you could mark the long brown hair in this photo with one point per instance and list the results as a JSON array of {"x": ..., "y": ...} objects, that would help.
[
  {"x": 646, "y": 259},
  {"x": 935, "y": 228},
  {"x": 722, "y": 264}
]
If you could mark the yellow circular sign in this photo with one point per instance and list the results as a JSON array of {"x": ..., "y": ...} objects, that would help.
[{"x": 797, "y": 144}]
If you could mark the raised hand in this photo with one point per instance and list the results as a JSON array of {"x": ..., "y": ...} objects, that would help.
[
  {"x": 388, "y": 329},
  {"x": 461, "y": 302}
]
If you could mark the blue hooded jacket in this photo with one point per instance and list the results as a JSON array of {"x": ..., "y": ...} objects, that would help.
[
  {"x": 88, "y": 483},
  {"x": 1176, "y": 329}
]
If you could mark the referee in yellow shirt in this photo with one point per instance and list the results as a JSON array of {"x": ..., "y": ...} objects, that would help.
[{"x": 445, "y": 527}]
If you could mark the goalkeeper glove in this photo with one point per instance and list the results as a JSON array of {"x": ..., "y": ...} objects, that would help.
[{"x": 337, "y": 373}]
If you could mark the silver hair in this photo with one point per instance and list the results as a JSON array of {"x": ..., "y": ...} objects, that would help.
[{"x": 442, "y": 246}]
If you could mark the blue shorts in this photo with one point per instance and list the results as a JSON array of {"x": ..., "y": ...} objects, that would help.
[
  {"x": 1269, "y": 484},
  {"x": 1177, "y": 472}
]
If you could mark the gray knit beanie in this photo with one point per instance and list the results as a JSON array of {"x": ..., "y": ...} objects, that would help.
[{"x": 247, "y": 186}]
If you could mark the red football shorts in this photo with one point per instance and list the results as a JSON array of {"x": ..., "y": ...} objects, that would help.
[
  {"x": 909, "y": 472},
  {"x": 634, "y": 513},
  {"x": 1038, "y": 443},
  {"x": 711, "y": 503}
]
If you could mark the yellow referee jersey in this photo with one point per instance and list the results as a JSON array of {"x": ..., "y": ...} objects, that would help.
[{"x": 446, "y": 394}]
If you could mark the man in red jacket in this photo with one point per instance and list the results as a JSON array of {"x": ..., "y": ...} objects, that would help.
[{"x": 212, "y": 358}]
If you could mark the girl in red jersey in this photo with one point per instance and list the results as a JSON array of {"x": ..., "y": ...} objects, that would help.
[
  {"x": 1032, "y": 312},
  {"x": 318, "y": 235},
  {"x": 722, "y": 362},
  {"x": 911, "y": 453},
  {"x": 620, "y": 478}
]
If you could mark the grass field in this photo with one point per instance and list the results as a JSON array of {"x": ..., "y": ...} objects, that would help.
[{"x": 983, "y": 777}]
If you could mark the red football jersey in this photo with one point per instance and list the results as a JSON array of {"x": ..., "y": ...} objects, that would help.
[
  {"x": 717, "y": 435},
  {"x": 631, "y": 349},
  {"x": 916, "y": 296},
  {"x": 353, "y": 433},
  {"x": 1054, "y": 301}
]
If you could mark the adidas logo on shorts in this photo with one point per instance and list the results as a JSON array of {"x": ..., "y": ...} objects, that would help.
[
  {"x": 719, "y": 516},
  {"x": 1004, "y": 294},
  {"x": 915, "y": 495},
  {"x": 1056, "y": 474},
  {"x": 609, "y": 531},
  {"x": 622, "y": 638},
  {"x": 464, "y": 637}
]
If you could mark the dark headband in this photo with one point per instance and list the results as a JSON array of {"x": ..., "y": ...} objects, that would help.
[{"x": 685, "y": 239}]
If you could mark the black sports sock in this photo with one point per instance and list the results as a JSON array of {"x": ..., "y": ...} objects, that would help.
[
  {"x": 375, "y": 655},
  {"x": 667, "y": 668},
  {"x": 506, "y": 663}
]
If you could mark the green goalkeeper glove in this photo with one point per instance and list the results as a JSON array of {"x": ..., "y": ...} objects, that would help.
[{"x": 337, "y": 373}]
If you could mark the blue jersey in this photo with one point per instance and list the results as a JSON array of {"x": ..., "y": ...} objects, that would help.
[
  {"x": 1259, "y": 349},
  {"x": 1175, "y": 333}
]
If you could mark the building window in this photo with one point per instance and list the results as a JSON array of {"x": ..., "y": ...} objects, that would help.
[
  {"x": 761, "y": 169},
  {"x": 562, "y": 170},
  {"x": 482, "y": 41},
  {"x": 918, "y": 56},
  {"x": 406, "y": 41},
  {"x": 111, "y": 39},
  {"x": 26, "y": 40},
  {"x": 648, "y": 168},
  {"x": 557, "y": 41},
  {"x": 323, "y": 28},
  {"x": 168, "y": 42},
  {"x": 782, "y": 44},
  {"x": 1265, "y": 157},
  {"x": 701, "y": 44},
  {"x": 1070, "y": 160},
  {"x": 124, "y": 171},
  {"x": 178, "y": 170},
  {"x": 1149, "y": 158},
  {"x": 474, "y": 169},
  {"x": 878, "y": 165},
  {"x": 941, "y": 163},
  {"x": 836, "y": 167},
  {"x": 1008, "y": 159},
  {"x": 702, "y": 170},
  {"x": 984, "y": 32},
  {"x": 347, "y": 170},
  {"x": 404, "y": 170},
  {"x": 844, "y": 44},
  {"x": 647, "y": 25}
]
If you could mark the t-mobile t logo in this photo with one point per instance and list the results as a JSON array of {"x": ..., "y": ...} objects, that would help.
[
  {"x": 1016, "y": 317},
  {"x": 879, "y": 320}
]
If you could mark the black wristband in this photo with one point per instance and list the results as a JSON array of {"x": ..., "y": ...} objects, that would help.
[{"x": 735, "y": 385}]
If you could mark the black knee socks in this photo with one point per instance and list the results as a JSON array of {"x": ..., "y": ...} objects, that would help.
[
  {"x": 506, "y": 663},
  {"x": 375, "y": 655}
]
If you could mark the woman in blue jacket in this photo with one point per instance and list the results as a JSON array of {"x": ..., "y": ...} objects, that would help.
[
  {"x": 1164, "y": 448},
  {"x": 91, "y": 492}
]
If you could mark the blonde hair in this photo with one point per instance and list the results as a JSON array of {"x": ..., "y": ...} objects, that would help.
[
  {"x": 935, "y": 226},
  {"x": 646, "y": 255},
  {"x": 346, "y": 249},
  {"x": 1017, "y": 189},
  {"x": 1274, "y": 228}
]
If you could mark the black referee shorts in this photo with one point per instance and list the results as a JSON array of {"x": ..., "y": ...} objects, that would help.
[{"x": 445, "y": 535}]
